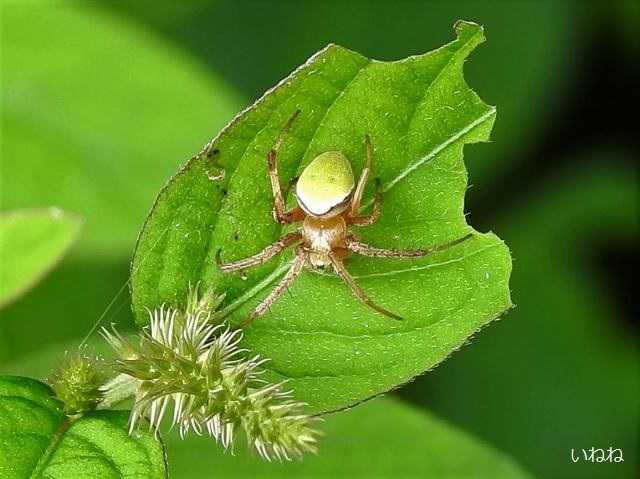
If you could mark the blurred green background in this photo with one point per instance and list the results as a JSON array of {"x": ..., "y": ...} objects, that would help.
[{"x": 102, "y": 101}]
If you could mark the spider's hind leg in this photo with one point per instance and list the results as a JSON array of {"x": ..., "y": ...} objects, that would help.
[
  {"x": 371, "y": 251},
  {"x": 355, "y": 288},
  {"x": 283, "y": 285}
]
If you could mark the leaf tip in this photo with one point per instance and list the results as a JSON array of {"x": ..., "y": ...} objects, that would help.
[
  {"x": 329, "y": 47},
  {"x": 465, "y": 29}
]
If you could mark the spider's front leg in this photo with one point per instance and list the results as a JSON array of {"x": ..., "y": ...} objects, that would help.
[
  {"x": 364, "y": 177},
  {"x": 354, "y": 214},
  {"x": 280, "y": 215},
  {"x": 367, "y": 250},
  {"x": 260, "y": 258},
  {"x": 369, "y": 219}
]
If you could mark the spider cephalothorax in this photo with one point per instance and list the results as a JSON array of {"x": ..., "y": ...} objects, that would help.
[{"x": 327, "y": 205}]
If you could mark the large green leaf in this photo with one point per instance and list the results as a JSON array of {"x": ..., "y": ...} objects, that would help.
[
  {"x": 31, "y": 243},
  {"x": 420, "y": 113},
  {"x": 38, "y": 441}
]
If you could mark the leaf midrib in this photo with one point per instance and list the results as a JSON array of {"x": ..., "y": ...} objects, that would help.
[
  {"x": 413, "y": 166},
  {"x": 432, "y": 154}
]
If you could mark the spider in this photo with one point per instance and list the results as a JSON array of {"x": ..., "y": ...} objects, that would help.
[{"x": 327, "y": 206}]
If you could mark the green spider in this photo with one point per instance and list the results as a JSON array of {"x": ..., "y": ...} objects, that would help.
[{"x": 327, "y": 206}]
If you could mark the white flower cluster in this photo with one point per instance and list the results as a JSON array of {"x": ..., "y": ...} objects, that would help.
[{"x": 196, "y": 370}]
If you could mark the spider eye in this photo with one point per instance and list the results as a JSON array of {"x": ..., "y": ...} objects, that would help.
[{"x": 325, "y": 183}]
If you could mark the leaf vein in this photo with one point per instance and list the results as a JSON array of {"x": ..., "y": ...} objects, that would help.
[{"x": 440, "y": 147}]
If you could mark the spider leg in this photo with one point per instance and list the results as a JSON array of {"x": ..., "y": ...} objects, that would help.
[
  {"x": 355, "y": 288},
  {"x": 364, "y": 176},
  {"x": 283, "y": 285},
  {"x": 375, "y": 213},
  {"x": 367, "y": 250},
  {"x": 281, "y": 216},
  {"x": 260, "y": 258}
]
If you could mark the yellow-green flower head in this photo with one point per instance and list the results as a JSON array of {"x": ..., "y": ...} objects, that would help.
[
  {"x": 77, "y": 382},
  {"x": 325, "y": 183}
]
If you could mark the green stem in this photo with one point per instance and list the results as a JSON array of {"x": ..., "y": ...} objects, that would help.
[{"x": 51, "y": 448}]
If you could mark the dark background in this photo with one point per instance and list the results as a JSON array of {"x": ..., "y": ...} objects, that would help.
[{"x": 559, "y": 183}]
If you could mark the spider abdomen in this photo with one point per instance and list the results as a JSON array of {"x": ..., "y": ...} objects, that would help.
[{"x": 325, "y": 185}]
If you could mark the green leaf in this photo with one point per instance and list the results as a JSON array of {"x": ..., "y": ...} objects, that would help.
[
  {"x": 38, "y": 441},
  {"x": 334, "y": 351},
  {"x": 31, "y": 243},
  {"x": 383, "y": 438}
]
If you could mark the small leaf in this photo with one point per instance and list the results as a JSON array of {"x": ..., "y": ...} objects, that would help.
[
  {"x": 383, "y": 438},
  {"x": 31, "y": 243},
  {"x": 38, "y": 441},
  {"x": 335, "y": 352}
]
